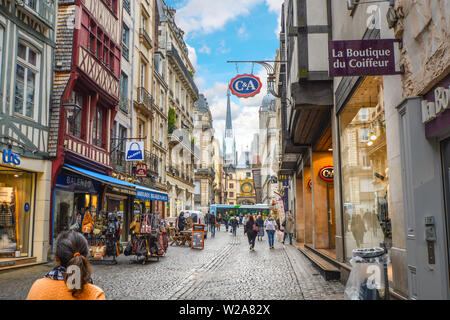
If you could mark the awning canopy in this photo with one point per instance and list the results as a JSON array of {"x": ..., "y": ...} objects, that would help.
[{"x": 140, "y": 191}]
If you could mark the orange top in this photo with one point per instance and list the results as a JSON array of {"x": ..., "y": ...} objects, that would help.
[{"x": 48, "y": 289}]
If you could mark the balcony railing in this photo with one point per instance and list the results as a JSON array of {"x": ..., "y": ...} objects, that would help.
[
  {"x": 144, "y": 98},
  {"x": 146, "y": 37},
  {"x": 125, "y": 52},
  {"x": 127, "y": 6},
  {"x": 124, "y": 104},
  {"x": 118, "y": 161},
  {"x": 152, "y": 162},
  {"x": 173, "y": 52},
  {"x": 43, "y": 10}
]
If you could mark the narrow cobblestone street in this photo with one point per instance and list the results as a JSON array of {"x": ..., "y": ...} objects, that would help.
[{"x": 225, "y": 269}]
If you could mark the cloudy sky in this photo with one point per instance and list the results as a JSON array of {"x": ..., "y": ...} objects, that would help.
[{"x": 222, "y": 30}]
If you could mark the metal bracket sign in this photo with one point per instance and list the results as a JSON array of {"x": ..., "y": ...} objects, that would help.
[
  {"x": 135, "y": 151},
  {"x": 245, "y": 86}
]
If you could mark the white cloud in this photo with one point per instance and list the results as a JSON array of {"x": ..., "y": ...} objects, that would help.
[
  {"x": 205, "y": 49},
  {"x": 208, "y": 16},
  {"x": 275, "y": 6},
  {"x": 192, "y": 56},
  {"x": 242, "y": 32}
]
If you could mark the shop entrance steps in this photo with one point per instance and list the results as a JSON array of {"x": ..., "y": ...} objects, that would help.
[
  {"x": 328, "y": 269},
  {"x": 12, "y": 263}
]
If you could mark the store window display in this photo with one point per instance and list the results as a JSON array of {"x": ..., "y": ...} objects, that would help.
[
  {"x": 15, "y": 212},
  {"x": 365, "y": 185}
]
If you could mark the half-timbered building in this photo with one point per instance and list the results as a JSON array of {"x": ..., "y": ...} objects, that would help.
[
  {"x": 85, "y": 102},
  {"x": 27, "y": 35}
]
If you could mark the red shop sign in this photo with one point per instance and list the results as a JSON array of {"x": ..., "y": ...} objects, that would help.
[
  {"x": 141, "y": 170},
  {"x": 327, "y": 174}
]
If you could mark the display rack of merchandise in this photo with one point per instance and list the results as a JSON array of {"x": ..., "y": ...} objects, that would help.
[
  {"x": 149, "y": 238},
  {"x": 105, "y": 238}
]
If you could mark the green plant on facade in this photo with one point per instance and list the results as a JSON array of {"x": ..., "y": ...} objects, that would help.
[{"x": 172, "y": 120}]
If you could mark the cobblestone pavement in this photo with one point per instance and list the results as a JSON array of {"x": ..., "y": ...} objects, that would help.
[{"x": 225, "y": 269}]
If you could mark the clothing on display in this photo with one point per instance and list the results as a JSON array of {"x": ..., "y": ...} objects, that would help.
[{"x": 8, "y": 239}]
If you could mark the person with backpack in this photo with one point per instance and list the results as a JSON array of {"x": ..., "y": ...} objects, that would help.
[
  {"x": 251, "y": 229},
  {"x": 72, "y": 251},
  {"x": 271, "y": 226}
]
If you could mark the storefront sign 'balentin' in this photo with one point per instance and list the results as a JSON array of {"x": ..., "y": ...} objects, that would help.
[{"x": 362, "y": 58}]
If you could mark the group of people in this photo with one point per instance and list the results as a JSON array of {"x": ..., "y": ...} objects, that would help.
[{"x": 254, "y": 226}]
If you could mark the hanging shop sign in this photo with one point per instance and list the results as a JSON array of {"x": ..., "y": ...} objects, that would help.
[
  {"x": 327, "y": 174},
  {"x": 245, "y": 86},
  {"x": 350, "y": 58},
  {"x": 10, "y": 157},
  {"x": 135, "y": 151},
  {"x": 141, "y": 170}
]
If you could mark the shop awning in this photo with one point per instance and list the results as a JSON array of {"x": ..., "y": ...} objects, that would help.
[
  {"x": 127, "y": 187},
  {"x": 140, "y": 191},
  {"x": 150, "y": 194}
]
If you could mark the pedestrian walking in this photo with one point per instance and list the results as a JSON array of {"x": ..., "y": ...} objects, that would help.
[
  {"x": 181, "y": 221},
  {"x": 244, "y": 221},
  {"x": 72, "y": 251},
  {"x": 288, "y": 225},
  {"x": 219, "y": 221},
  {"x": 241, "y": 218},
  {"x": 227, "y": 220},
  {"x": 271, "y": 226},
  {"x": 212, "y": 222},
  {"x": 207, "y": 218},
  {"x": 358, "y": 229},
  {"x": 251, "y": 229},
  {"x": 260, "y": 224},
  {"x": 234, "y": 222}
]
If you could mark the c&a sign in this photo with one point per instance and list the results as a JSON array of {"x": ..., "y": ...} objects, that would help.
[
  {"x": 10, "y": 157},
  {"x": 327, "y": 174},
  {"x": 245, "y": 85}
]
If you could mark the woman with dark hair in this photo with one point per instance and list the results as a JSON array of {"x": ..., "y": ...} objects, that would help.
[
  {"x": 250, "y": 230},
  {"x": 71, "y": 279}
]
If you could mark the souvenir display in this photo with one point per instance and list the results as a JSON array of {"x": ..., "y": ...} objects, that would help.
[
  {"x": 104, "y": 238},
  {"x": 149, "y": 237}
]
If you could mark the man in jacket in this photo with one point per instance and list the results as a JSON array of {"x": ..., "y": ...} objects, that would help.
[
  {"x": 181, "y": 221},
  {"x": 227, "y": 220},
  {"x": 234, "y": 225},
  {"x": 212, "y": 222},
  {"x": 288, "y": 225}
]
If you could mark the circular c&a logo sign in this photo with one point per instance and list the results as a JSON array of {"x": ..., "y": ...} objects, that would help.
[
  {"x": 327, "y": 174},
  {"x": 245, "y": 86}
]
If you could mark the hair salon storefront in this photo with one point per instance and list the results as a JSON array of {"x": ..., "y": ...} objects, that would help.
[{"x": 425, "y": 141}]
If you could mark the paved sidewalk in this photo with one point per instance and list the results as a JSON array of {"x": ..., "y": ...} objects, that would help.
[{"x": 225, "y": 269}]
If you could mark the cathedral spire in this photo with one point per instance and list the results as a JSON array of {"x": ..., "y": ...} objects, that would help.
[{"x": 229, "y": 125}]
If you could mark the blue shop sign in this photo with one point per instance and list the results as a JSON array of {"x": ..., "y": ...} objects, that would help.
[
  {"x": 74, "y": 183},
  {"x": 10, "y": 157},
  {"x": 150, "y": 195}
]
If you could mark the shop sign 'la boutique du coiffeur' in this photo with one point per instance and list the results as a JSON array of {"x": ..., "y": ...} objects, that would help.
[{"x": 362, "y": 57}]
